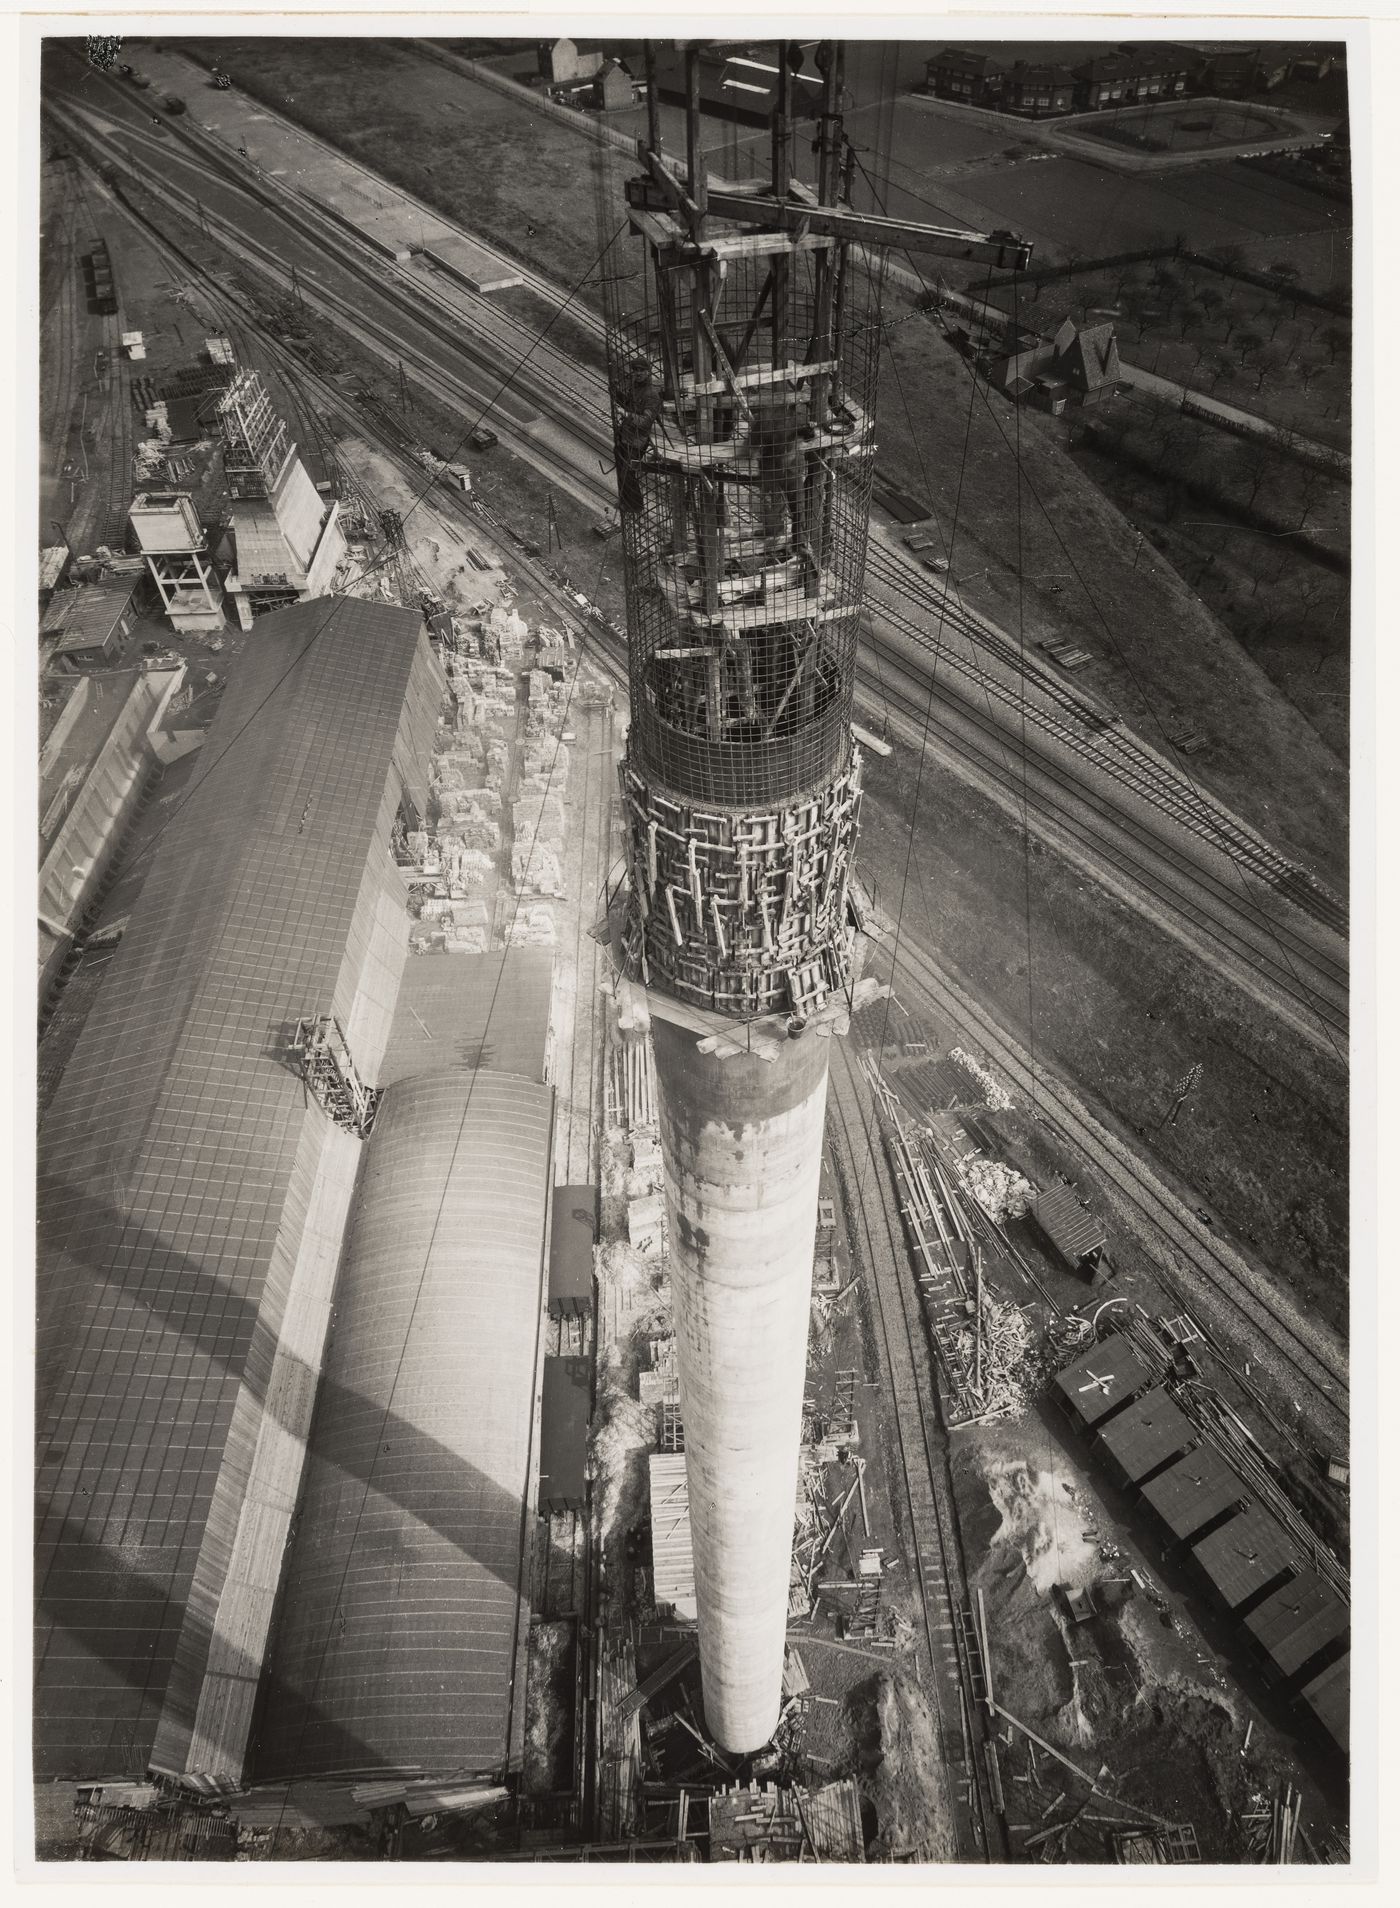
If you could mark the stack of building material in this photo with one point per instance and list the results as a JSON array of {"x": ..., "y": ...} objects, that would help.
[
  {"x": 538, "y": 812},
  {"x": 672, "y": 1545},
  {"x": 535, "y": 868},
  {"x": 767, "y": 1823},
  {"x": 646, "y": 1224}
]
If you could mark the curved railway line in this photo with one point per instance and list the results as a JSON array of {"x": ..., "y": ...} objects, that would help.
[{"x": 1104, "y": 745}]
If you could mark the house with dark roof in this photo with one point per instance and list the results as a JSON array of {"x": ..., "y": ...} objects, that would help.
[
  {"x": 1075, "y": 367},
  {"x": 973, "y": 78},
  {"x": 1037, "y": 90},
  {"x": 1134, "y": 75}
]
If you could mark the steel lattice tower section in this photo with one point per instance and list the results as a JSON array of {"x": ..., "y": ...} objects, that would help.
[{"x": 742, "y": 340}]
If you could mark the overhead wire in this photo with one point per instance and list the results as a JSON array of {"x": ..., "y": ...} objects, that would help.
[
  {"x": 1204, "y": 803},
  {"x": 384, "y": 562}
]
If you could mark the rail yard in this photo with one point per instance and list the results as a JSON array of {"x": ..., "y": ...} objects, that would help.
[{"x": 498, "y": 1400}]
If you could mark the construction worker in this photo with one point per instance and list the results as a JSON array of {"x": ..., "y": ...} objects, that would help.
[
  {"x": 778, "y": 419},
  {"x": 638, "y": 405}
]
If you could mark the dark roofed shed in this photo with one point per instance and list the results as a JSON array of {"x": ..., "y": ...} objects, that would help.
[
  {"x": 571, "y": 1243},
  {"x": 1100, "y": 1383},
  {"x": 1298, "y": 1620},
  {"x": 1194, "y": 1492},
  {"x": 1245, "y": 1559},
  {"x": 1144, "y": 1437},
  {"x": 1073, "y": 1232},
  {"x": 564, "y": 1420}
]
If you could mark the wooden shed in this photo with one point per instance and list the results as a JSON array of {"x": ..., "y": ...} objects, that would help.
[
  {"x": 1299, "y": 1628},
  {"x": 1098, "y": 1385},
  {"x": 1195, "y": 1495},
  {"x": 564, "y": 1419},
  {"x": 1246, "y": 1559},
  {"x": 1146, "y": 1436},
  {"x": 1070, "y": 1230}
]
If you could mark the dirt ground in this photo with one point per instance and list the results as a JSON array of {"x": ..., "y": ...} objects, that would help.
[
  {"x": 1123, "y": 1009},
  {"x": 1142, "y": 1698}
]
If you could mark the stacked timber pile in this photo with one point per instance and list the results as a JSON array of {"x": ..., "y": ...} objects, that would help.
[{"x": 767, "y": 1823}]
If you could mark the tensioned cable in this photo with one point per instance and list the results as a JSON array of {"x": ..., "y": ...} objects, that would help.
[
  {"x": 381, "y": 563},
  {"x": 1205, "y": 806}
]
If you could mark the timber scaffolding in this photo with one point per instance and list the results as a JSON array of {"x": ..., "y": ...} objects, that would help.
[
  {"x": 630, "y": 1082},
  {"x": 984, "y": 1348}
]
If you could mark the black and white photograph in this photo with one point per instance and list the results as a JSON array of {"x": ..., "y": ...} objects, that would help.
[{"x": 695, "y": 1098}]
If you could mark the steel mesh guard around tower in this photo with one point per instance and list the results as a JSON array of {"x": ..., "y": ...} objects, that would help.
[{"x": 743, "y": 412}]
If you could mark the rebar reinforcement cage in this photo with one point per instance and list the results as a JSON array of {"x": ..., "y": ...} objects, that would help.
[{"x": 743, "y": 378}]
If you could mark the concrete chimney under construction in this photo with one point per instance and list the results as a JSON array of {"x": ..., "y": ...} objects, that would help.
[{"x": 743, "y": 333}]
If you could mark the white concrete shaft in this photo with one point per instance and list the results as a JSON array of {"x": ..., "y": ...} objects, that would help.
[{"x": 741, "y": 1144}]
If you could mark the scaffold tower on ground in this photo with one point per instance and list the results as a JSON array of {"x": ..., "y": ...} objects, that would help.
[{"x": 743, "y": 332}]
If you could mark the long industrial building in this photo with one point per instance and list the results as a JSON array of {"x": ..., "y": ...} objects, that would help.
[
  {"x": 401, "y": 1642},
  {"x": 194, "y": 1200}
]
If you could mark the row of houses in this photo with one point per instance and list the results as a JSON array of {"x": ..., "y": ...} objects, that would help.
[
  {"x": 1291, "y": 1619},
  {"x": 1132, "y": 75}
]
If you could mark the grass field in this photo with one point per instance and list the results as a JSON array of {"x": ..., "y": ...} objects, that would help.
[
  {"x": 1247, "y": 346},
  {"x": 1186, "y": 125},
  {"x": 1074, "y": 209},
  {"x": 516, "y": 176},
  {"x": 1054, "y": 556}
]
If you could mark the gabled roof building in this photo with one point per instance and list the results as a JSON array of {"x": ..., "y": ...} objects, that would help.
[{"x": 192, "y": 1197}]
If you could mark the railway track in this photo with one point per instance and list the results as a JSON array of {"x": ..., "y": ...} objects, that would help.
[
  {"x": 1324, "y": 1374},
  {"x": 1077, "y": 725},
  {"x": 921, "y": 1444},
  {"x": 1265, "y": 947},
  {"x": 1059, "y": 712},
  {"x": 1262, "y": 1324}
]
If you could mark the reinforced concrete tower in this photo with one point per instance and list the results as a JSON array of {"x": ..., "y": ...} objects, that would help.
[
  {"x": 176, "y": 550},
  {"x": 743, "y": 334},
  {"x": 287, "y": 537}
]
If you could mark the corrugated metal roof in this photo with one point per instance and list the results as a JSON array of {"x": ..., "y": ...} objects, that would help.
[
  {"x": 472, "y": 1010},
  {"x": 84, "y": 617},
  {"x": 396, "y": 1647},
  {"x": 1193, "y": 1491},
  {"x": 571, "y": 1241},
  {"x": 565, "y": 1410},
  {"x": 1145, "y": 1434},
  {"x": 1064, "y": 1221},
  {"x": 167, "y": 1159},
  {"x": 1245, "y": 1555},
  {"x": 1103, "y": 1379},
  {"x": 1297, "y": 1621},
  {"x": 1327, "y": 1698}
]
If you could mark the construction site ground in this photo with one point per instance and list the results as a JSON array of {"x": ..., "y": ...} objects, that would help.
[{"x": 1154, "y": 1698}]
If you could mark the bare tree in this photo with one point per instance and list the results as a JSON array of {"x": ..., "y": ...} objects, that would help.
[
  {"x": 1336, "y": 341},
  {"x": 1247, "y": 343},
  {"x": 1258, "y": 465}
]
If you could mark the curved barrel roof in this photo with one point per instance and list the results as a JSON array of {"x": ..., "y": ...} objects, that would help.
[{"x": 397, "y": 1646}]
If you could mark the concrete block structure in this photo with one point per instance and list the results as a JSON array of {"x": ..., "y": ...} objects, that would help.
[
  {"x": 742, "y": 362},
  {"x": 172, "y": 540},
  {"x": 287, "y": 537}
]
